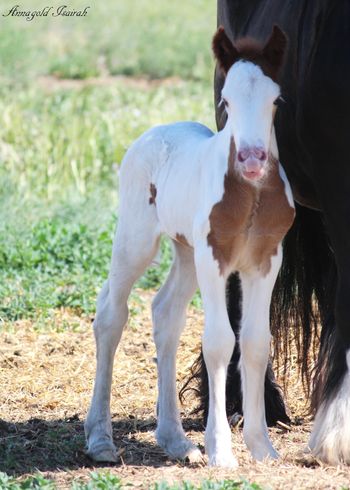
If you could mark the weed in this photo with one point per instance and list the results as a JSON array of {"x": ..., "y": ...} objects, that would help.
[
  {"x": 99, "y": 481},
  {"x": 36, "y": 482},
  {"x": 209, "y": 485}
]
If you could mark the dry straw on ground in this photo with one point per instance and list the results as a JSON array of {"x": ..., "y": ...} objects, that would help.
[{"x": 46, "y": 381}]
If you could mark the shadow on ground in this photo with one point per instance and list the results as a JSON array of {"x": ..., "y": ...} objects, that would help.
[{"x": 48, "y": 445}]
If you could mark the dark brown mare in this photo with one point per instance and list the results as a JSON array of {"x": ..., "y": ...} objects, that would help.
[{"x": 313, "y": 130}]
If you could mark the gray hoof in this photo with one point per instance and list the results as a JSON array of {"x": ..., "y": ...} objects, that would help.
[
  {"x": 195, "y": 456},
  {"x": 103, "y": 453}
]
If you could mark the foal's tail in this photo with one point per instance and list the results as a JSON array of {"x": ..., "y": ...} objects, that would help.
[{"x": 302, "y": 315}]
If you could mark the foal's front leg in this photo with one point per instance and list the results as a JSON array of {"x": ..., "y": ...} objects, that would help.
[
  {"x": 255, "y": 348},
  {"x": 169, "y": 317},
  {"x": 218, "y": 345}
]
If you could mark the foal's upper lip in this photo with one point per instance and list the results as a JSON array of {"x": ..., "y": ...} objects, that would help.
[{"x": 255, "y": 175}]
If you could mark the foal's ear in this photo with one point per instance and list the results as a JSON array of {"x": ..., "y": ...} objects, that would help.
[
  {"x": 224, "y": 51},
  {"x": 275, "y": 47}
]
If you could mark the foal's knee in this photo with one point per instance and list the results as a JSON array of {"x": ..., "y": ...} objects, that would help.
[
  {"x": 158, "y": 310},
  {"x": 165, "y": 322},
  {"x": 255, "y": 346},
  {"x": 218, "y": 344},
  {"x": 165, "y": 309},
  {"x": 111, "y": 313},
  {"x": 158, "y": 322}
]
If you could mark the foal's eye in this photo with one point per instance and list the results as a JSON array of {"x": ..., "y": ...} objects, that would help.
[{"x": 279, "y": 101}]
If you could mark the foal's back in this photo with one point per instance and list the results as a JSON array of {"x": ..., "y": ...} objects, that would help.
[{"x": 166, "y": 144}]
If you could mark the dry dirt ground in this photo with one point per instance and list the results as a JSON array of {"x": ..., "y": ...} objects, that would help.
[
  {"x": 51, "y": 83},
  {"x": 46, "y": 381}
]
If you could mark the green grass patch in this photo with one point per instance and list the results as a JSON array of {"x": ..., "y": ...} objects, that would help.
[
  {"x": 31, "y": 483},
  {"x": 60, "y": 260},
  {"x": 108, "y": 481},
  {"x": 209, "y": 485},
  {"x": 156, "y": 39},
  {"x": 100, "y": 481},
  {"x": 72, "y": 141}
]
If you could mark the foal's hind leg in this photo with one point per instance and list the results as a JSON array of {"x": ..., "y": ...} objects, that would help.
[
  {"x": 255, "y": 348},
  {"x": 169, "y": 316},
  {"x": 135, "y": 246}
]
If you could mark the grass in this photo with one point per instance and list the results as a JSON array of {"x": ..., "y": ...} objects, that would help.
[
  {"x": 73, "y": 140},
  {"x": 107, "y": 481},
  {"x": 153, "y": 39},
  {"x": 60, "y": 261},
  {"x": 209, "y": 485},
  {"x": 31, "y": 483}
]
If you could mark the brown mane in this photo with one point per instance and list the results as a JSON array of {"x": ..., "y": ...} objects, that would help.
[{"x": 250, "y": 49}]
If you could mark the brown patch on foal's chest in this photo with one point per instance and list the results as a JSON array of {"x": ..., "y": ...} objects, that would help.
[
  {"x": 250, "y": 221},
  {"x": 153, "y": 192}
]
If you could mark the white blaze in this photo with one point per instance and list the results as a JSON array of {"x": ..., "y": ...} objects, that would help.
[{"x": 250, "y": 95}]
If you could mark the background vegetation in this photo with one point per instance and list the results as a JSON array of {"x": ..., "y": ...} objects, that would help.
[{"x": 61, "y": 144}]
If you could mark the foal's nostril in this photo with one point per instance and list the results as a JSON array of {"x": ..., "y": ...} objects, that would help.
[
  {"x": 260, "y": 154},
  {"x": 252, "y": 152},
  {"x": 243, "y": 155}
]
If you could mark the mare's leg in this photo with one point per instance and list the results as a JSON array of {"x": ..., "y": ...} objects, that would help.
[
  {"x": 218, "y": 345},
  {"x": 135, "y": 246},
  {"x": 255, "y": 348},
  {"x": 169, "y": 316},
  {"x": 330, "y": 437}
]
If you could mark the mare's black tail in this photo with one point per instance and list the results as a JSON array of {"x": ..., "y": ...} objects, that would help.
[{"x": 302, "y": 310}]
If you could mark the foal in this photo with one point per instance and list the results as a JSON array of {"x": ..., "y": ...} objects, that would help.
[{"x": 224, "y": 201}]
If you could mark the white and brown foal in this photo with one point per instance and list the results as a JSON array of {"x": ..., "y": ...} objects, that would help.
[{"x": 225, "y": 202}]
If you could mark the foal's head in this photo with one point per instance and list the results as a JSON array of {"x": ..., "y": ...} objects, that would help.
[{"x": 250, "y": 94}]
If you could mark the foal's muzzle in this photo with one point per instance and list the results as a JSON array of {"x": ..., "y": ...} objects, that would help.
[{"x": 252, "y": 162}]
